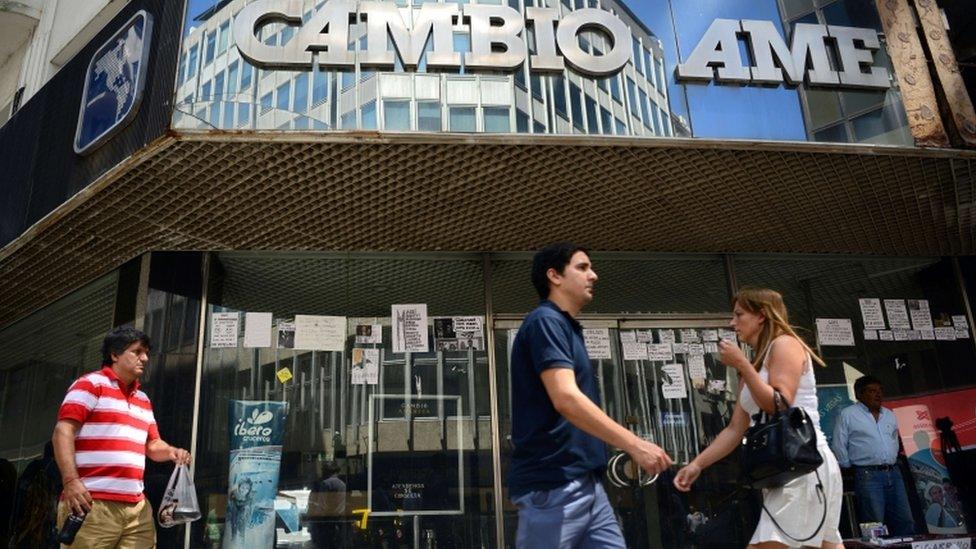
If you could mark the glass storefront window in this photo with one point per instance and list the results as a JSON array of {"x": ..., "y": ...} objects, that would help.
[{"x": 413, "y": 446}]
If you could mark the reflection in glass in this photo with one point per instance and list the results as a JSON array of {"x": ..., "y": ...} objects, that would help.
[
  {"x": 887, "y": 125},
  {"x": 428, "y": 116},
  {"x": 461, "y": 119},
  {"x": 396, "y": 115},
  {"x": 497, "y": 120}
]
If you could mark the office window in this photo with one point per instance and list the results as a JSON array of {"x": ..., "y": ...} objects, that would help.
[
  {"x": 621, "y": 126},
  {"x": 232, "y": 78},
  {"x": 662, "y": 78},
  {"x": 284, "y": 99},
  {"x": 192, "y": 63},
  {"x": 364, "y": 74},
  {"x": 243, "y": 114},
  {"x": 833, "y": 134},
  {"x": 428, "y": 116},
  {"x": 656, "y": 119},
  {"x": 301, "y": 93},
  {"x": 348, "y": 80},
  {"x": 396, "y": 115},
  {"x": 461, "y": 119},
  {"x": 462, "y": 44},
  {"x": 632, "y": 97},
  {"x": 576, "y": 102},
  {"x": 224, "y": 40},
  {"x": 497, "y": 120},
  {"x": 211, "y": 46},
  {"x": 645, "y": 112},
  {"x": 286, "y": 34},
  {"x": 320, "y": 87},
  {"x": 348, "y": 120},
  {"x": 369, "y": 116},
  {"x": 247, "y": 72},
  {"x": 606, "y": 119},
  {"x": 538, "y": 127},
  {"x": 428, "y": 47},
  {"x": 637, "y": 56},
  {"x": 218, "y": 89},
  {"x": 521, "y": 121},
  {"x": 559, "y": 94},
  {"x": 614, "y": 87},
  {"x": 228, "y": 120},
  {"x": 649, "y": 63},
  {"x": 205, "y": 91},
  {"x": 536, "y": 82},
  {"x": 591, "y": 125},
  {"x": 520, "y": 76},
  {"x": 266, "y": 101}
]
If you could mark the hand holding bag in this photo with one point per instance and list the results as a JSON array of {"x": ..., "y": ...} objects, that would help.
[{"x": 179, "y": 503}]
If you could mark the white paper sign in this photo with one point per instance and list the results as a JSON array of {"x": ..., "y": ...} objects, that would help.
[
  {"x": 945, "y": 333},
  {"x": 320, "y": 333},
  {"x": 689, "y": 335},
  {"x": 902, "y": 335},
  {"x": 696, "y": 349},
  {"x": 870, "y": 335},
  {"x": 918, "y": 309},
  {"x": 960, "y": 322},
  {"x": 628, "y": 335},
  {"x": 365, "y": 366},
  {"x": 709, "y": 335},
  {"x": 696, "y": 367},
  {"x": 711, "y": 347},
  {"x": 962, "y": 334},
  {"x": 597, "y": 341},
  {"x": 660, "y": 351},
  {"x": 727, "y": 335},
  {"x": 665, "y": 336},
  {"x": 634, "y": 350},
  {"x": 369, "y": 334},
  {"x": 679, "y": 348},
  {"x": 286, "y": 335},
  {"x": 835, "y": 331},
  {"x": 927, "y": 335},
  {"x": 410, "y": 328},
  {"x": 459, "y": 333},
  {"x": 645, "y": 336},
  {"x": 223, "y": 330},
  {"x": 897, "y": 314},
  {"x": 886, "y": 335},
  {"x": 257, "y": 330},
  {"x": 673, "y": 382},
  {"x": 871, "y": 313},
  {"x": 954, "y": 543}
]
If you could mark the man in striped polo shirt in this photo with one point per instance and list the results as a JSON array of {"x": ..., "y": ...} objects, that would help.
[{"x": 104, "y": 433}]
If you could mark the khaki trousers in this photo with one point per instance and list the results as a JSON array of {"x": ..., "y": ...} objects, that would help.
[{"x": 113, "y": 524}]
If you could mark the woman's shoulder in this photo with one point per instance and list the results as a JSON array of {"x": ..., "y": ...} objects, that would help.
[{"x": 788, "y": 342}]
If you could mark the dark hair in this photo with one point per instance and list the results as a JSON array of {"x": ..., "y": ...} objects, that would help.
[
  {"x": 554, "y": 256},
  {"x": 863, "y": 381},
  {"x": 117, "y": 340}
]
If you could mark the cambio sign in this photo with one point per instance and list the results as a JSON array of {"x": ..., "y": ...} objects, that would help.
[
  {"x": 805, "y": 57},
  {"x": 495, "y": 40}
]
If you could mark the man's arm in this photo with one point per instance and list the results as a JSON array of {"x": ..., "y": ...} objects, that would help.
[
  {"x": 75, "y": 493},
  {"x": 160, "y": 450},
  {"x": 582, "y": 412},
  {"x": 839, "y": 443}
]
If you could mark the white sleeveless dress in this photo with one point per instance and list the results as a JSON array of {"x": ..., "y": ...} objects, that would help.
[{"x": 798, "y": 505}]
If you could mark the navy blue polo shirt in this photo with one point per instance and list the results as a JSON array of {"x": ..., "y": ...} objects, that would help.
[{"x": 549, "y": 450}]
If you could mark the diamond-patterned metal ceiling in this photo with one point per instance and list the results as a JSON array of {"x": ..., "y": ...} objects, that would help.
[{"x": 343, "y": 192}]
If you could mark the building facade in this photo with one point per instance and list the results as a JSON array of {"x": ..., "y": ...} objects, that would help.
[{"x": 297, "y": 215}]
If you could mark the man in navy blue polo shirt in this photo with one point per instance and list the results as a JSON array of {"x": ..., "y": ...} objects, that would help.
[{"x": 558, "y": 427}]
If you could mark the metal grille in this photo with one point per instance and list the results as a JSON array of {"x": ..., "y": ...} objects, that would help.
[{"x": 362, "y": 192}]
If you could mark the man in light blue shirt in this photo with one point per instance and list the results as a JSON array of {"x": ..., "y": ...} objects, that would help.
[{"x": 866, "y": 439}]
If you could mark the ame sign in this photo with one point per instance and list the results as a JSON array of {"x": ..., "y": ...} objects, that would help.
[
  {"x": 806, "y": 58},
  {"x": 494, "y": 31}
]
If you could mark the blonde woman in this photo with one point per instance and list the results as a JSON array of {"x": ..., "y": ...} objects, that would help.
[{"x": 793, "y": 512}]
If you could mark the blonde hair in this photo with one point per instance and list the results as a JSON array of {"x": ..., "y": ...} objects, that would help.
[{"x": 769, "y": 303}]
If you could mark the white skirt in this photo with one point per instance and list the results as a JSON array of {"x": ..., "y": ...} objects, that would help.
[{"x": 797, "y": 507}]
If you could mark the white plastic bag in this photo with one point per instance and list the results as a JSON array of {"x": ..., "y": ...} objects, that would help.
[{"x": 179, "y": 504}]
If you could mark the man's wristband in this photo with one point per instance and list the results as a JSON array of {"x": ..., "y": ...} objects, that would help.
[{"x": 70, "y": 480}]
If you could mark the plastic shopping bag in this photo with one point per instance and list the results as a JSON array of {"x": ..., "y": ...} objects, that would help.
[{"x": 179, "y": 504}]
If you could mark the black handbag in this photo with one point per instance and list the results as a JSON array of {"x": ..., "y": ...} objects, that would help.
[{"x": 781, "y": 447}]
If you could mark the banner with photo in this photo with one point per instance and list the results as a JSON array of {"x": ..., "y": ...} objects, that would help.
[{"x": 257, "y": 430}]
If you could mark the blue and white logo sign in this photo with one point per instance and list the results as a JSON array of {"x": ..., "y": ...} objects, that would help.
[{"x": 113, "y": 83}]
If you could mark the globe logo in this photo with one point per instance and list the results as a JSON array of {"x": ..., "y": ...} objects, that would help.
[{"x": 113, "y": 84}]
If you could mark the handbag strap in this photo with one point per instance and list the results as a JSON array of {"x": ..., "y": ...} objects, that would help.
[{"x": 823, "y": 517}]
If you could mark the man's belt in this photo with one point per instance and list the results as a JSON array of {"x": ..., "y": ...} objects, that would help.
[{"x": 887, "y": 467}]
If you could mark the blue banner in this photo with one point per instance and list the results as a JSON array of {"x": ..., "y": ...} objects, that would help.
[
  {"x": 831, "y": 399},
  {"x": 257, "y": 429}
]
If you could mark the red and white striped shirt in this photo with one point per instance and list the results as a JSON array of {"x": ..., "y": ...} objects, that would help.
[{"x": 110, "y": 449}]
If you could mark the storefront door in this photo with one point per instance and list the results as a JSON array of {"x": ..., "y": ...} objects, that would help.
[{"x": 659, "y": 377}]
